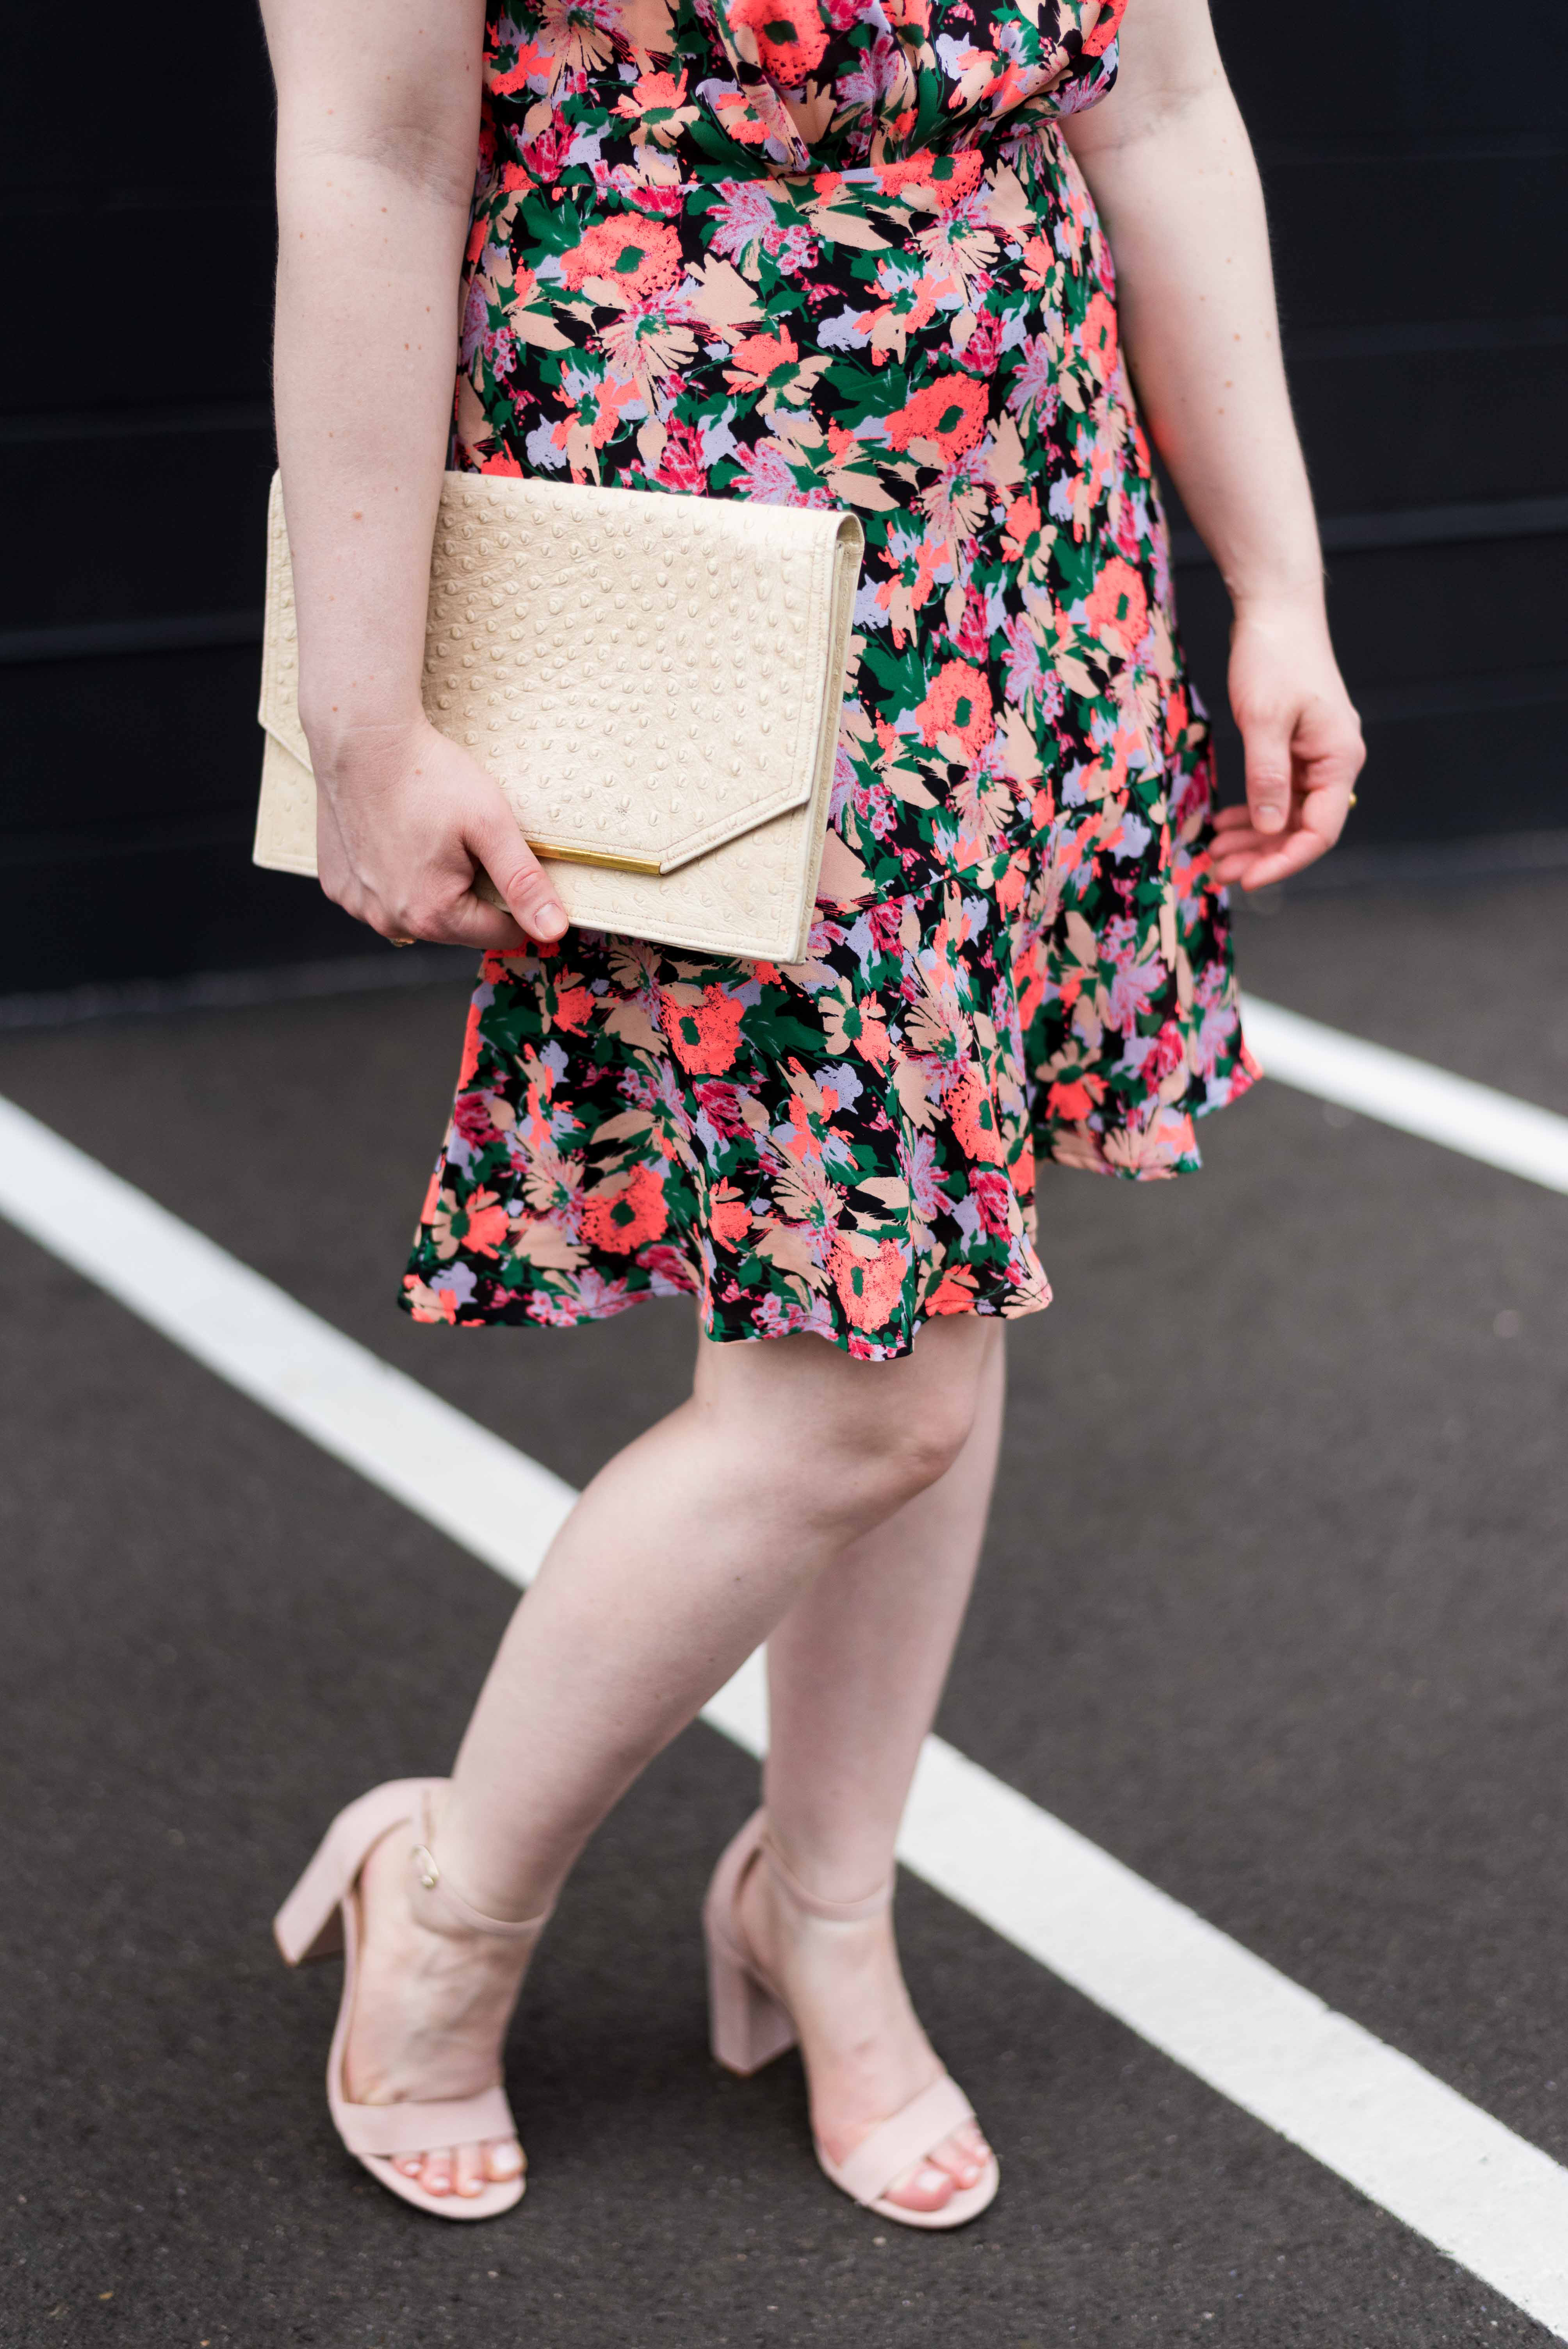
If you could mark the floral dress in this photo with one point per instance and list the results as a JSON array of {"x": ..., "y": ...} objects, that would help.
[{"x": 836, "y": 253}]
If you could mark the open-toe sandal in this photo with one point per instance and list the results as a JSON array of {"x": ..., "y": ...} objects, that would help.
[
  {"x": 320, "y": 1918},
  {"x": 750, "y": 2024}
]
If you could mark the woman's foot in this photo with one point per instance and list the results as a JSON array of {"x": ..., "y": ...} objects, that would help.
[
  {"x": 430, "y": 2012},
  {"x": 864, "y": 2051}
]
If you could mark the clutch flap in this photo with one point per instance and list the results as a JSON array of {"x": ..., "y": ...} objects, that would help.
[{"x": 648, "y": 676}]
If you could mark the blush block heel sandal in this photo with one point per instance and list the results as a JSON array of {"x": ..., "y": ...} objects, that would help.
[
  {"x": 319, "y": 1918},
  {"x": 750, "y": 2024}
]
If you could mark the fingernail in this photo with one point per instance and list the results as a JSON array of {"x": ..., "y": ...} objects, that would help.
[
  {"x": 552, "y": 920},
  {"x": 1271, "y": 819}
]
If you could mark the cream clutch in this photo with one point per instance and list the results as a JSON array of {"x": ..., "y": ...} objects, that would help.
[{"x": 654, "y": 680}]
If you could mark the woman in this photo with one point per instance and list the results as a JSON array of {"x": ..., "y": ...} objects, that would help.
[{"x": 842, "y": 252}]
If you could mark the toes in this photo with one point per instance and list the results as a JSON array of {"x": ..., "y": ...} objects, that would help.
[
  {"x": 924, "y": 2187},
  {"x": 410, "y": 2164},
  {"x": 503, "y": 2160},
  {"x": 436, "y": 2175},
  {"x": 963, "y": 2156},
  {"x": 468, "y": 2172}
]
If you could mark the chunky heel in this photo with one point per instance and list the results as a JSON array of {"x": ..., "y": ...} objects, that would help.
[
  {"x": 310, "y": 1923},
  {"x": 747, "y": 2027}
]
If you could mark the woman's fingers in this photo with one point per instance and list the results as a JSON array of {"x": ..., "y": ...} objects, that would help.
[
  {"x": 495, "y": 842},
  {"x": 1266, "y": 740}
]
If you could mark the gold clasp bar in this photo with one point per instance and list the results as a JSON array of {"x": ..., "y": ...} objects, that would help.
[{"x": 617, "y": 860}]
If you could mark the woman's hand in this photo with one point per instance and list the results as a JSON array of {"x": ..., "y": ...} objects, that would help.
[
  {"x": 1302, "y": 744},
  {"x": 407, "y": 824}
]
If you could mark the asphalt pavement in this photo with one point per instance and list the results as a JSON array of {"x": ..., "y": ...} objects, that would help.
[{"x": 1273, "y": 1608}]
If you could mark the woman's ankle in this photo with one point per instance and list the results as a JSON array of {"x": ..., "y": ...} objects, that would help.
[{"x": 457, "y": 1888}]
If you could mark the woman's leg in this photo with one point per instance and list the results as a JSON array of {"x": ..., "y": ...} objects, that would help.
[
  {"x": 855, "y": 1671},
  {"x": 680, "y": 1557}
]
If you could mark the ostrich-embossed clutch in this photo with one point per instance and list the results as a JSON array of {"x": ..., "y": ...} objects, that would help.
[{"x": 654, "y": 680}]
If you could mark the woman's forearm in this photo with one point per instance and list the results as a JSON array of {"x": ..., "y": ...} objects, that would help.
[
  {"x": 373, "y": 200},
  {"x": 1174, "y": 181}
]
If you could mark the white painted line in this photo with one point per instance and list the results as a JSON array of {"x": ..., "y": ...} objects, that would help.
[
  {"x": 1411, "y": 1094},
  {"x": 1482, "y": 2194},
  {"x": 491, "y": 1499}
]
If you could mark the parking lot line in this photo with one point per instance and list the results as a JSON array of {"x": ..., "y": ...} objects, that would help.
[
  {"x": 1411, "y": 1094},
  {"x": 1475, "y": 2189}
]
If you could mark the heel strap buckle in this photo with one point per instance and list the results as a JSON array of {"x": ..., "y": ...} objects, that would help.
[{"x": 428, "y": 1869}]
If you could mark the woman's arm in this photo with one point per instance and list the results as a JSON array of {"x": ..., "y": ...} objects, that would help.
[
  {"x": 1171, "y": 169},
  {"x": 378, "y": 132}
]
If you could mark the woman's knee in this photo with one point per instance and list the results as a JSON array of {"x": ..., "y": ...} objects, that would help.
[
  {"x": 898, "y": 1427},
  {"x": 852, "y": 1439}
]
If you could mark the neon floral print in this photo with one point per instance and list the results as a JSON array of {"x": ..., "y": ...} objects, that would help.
[{"x": 835, "y": 253}]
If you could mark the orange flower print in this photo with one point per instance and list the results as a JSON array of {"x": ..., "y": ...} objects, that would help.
[
  {"x": 627, "y": 1216},
  {"x": 954, "y": 1292},
  {"x": 773, "y": 366},
  {"x": 868, "y": 1280},
  {"x": 424, "y": 1303},
  {"x": 1098, "y": 336},
  {"x": 1117, "y": 609},
  {"x": 636, "y": 256},
  {"x": 704, "y": 1036},
  {"x": 974, "y": 1115},
  {"x": 471, "y": 1041},
  {"x": 478, "y": 1224},
  {"x": 1073, "y": 1098},
  {"x": 1100, "y": 36},
  {"x": 788, "y": 36},
  {"x": 657, "y": 105},
  {"x": 729, "y": 1216},
  {"x": 957, "y": 701},
  {"x": 1022, "y": 525},
  {"x": 951, "y": 413}
]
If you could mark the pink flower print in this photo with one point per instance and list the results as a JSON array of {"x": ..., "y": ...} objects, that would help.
[
  {"x": 680, "y": 464},
  {"x": 1034, "y": 383},
  {"x": 917, "y": 1158},
  {"x": 972, "y": 636},
  {"x": 720, "y": 1104},
  {"x": 747, "y": 218},
  {"x": 1138, "y": 974},
  {"x": 992, "y": 1195}
]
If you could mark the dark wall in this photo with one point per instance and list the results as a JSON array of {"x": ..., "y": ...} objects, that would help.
[{"x": 1417, "y": 177}]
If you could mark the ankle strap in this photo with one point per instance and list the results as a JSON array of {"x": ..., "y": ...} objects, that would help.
[
  {"x": 428, "y": 1869},
  {"x": 842, "y": 1912}
]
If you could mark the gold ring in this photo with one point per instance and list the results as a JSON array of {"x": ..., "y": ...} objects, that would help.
[
  {"x": 402, "y": 942},
  {"x": 1350, "y": 802}
]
